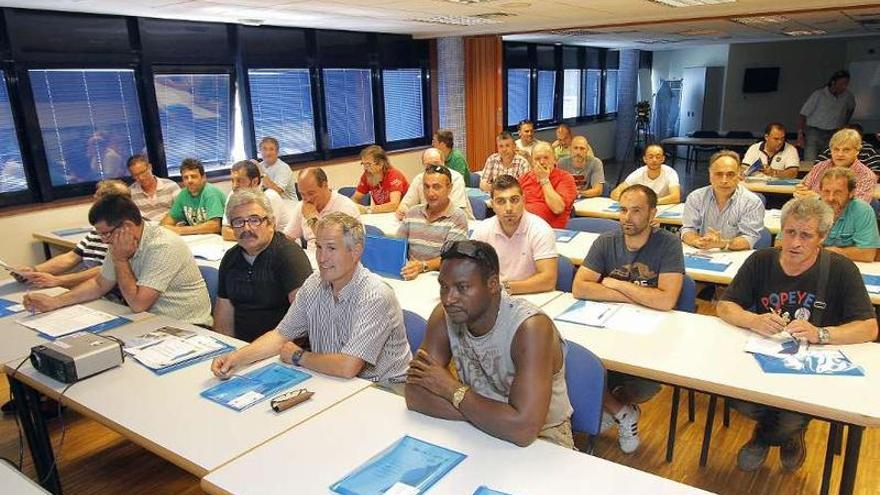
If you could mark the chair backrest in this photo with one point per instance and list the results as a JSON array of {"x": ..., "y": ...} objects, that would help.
[
  {"x": 347, "y": 191},
  {"x": 765, "y": 240},
  {"x": 564, "y": 274},
  {"x": 474, "y": 179},
  {"x": 585, "y": 380},
  {"x": 478, "y": 205},
  {"x": 761, "y": 197},
  {"x": 373, "y": 230},
  {"x": 687, "y": 298},
  {"x": 212, "y": 280},
  {"x": 590, "y": 224},
  {"x": 705, "y": 134},
  {"x": 607, "y": 187},
  {"x": 416, "y": 326}
]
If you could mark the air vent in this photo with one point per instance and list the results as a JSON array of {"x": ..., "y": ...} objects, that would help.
[
  {"x": 702, "y": 32},
  {"x": 803, "y": 32},
  {"x": 761, "y": 20},
  {"x": 572, "y": 32},
  {"x": 690, "y": 3},
  {"x": 494, "y": 15},
  {"x": 658, "y": 42},
  {"x": 455, "y": 20}
]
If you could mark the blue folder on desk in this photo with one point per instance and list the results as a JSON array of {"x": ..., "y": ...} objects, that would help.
[
  {"x": 872, "y": 283},
  {"x": 73, "y": 231},
  {"x": 783, "y": 182},
  {"x": 565, "y": 235},
  {"x": 612, "y": 207},
  {"x": 485, "y": 490},
  {"x": 671, "y": 213},
  {"x": 384, "y": 256},
  {"x": 242, "y": 391},
  {"x": 811, "y": 363},
  {"x": 100, "y": 327},
  {"x": 5, "y": 305},
  {"x": 473, "y": 192},
  {"x": 701, "y": 263}
]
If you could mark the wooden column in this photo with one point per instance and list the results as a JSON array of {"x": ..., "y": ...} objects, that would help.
[{"x": 483, "y": 98}]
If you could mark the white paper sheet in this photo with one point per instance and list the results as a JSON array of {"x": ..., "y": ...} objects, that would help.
[{"x": 65, "y": 321}]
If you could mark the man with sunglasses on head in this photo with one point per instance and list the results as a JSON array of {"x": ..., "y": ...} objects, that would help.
[
  {"x": 509, "y": 358},
  {"x": 260, "y": 275},
  {"x": 153, "y": 268}
]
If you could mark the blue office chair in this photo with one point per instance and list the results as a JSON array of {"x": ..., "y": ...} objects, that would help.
[
  {"x": 761, "y": 197},
  {"x": 687, "y": 298},
  {"x": 478, "y": 205},
  {"x": 564, "y": 274},
  {"x": 590, "y": 224},
  {"x": 212, "y": 280},
  {"x": 373, "y": 230},
  {"x": 416, "y": 326},
  {"x": 474, "y": 179},
  {"x": 765, "y": 241},
  {"x": 585, "y": 380},
  {"x": 347, "y": 191},
  {"x": 607, "y": 187}
]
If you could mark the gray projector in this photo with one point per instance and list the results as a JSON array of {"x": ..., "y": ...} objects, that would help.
[{"x": 75, "y": 357}]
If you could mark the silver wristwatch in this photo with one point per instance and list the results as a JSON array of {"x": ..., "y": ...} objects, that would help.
[{"x": 824, "y": 335}]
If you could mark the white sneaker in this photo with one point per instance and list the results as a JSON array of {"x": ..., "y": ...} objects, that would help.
[
  {"x": 628, "y": 428},
  {"x": 607, "y": 422}
]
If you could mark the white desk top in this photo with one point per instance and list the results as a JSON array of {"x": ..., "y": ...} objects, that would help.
[
  {"x": 12, "y": 481},
  {"x": 166, "y": 415},
  {"x": 705, "y": 353},
  {"x": 386, "y": 222},
  {"x": 339, "y": 442}
]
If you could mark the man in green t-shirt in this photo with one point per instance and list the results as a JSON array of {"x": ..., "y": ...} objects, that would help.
[
  {"x": 854, "y": 232},
  {"x": 199, "y": 209},
  {"x": 452, "y": 157}
]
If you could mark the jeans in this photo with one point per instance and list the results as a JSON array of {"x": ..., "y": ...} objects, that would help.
[
  {"x": 774, "y": 426},
  {"x": 815, "y": 141},
  {"x": 630, "y": 389}
]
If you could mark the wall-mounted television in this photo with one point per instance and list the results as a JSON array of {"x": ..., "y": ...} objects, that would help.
[{"x": 761, "y": 80}]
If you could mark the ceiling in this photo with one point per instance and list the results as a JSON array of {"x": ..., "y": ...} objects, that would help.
[{"x": 611, "y": 23}]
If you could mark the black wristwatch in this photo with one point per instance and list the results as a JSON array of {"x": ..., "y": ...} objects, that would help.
[{"x": 296, "y": 356}]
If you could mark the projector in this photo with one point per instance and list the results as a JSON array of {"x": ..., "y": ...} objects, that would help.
[{"x": 77, "y": 356}]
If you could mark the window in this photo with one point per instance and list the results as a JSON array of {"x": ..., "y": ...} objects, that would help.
[
  {"x": 571, "y": 93},
  {"x": 195, "y": 119},
  {"x": 592, "y": 81},
  {"x": 546, "y": 94},
  {"x": 348, "y": 101},
  {"x": 611, "y": 91},
  {"x": 404, "y": 117},
  {"x": 281, "y": 102},
  {"x": 12, "y": 177},
  {"x": 90, "y": 122},
  {"x": 518, "y": 96}
]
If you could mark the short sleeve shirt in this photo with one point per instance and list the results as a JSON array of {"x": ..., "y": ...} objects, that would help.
[
  {"x": 762, "y": 286},
  {"x": 865, "y": 179},
  {"x": 584, "y": 178},
  {"x": 155, "y": 207},
  {"x": 392, "y": 181},
  {"x": 825, "y": 111},
  {"x": 280, "y": 173},
  {"x": 427, "y": 238},
  {"x": 856, "y": 227},
  {"x": 667, "y": 179},
  {"x": 456, "y": 161},
  {"x": 533, "y": 240},
  {"x": 91, "y": 250},
  {"x": 784, "y": 159},
  {"x": 495, "y": 168},
  {"x": 338, "y": 203},
  {"x": 259, "y": 291},
  {"x": 609, "y": 257},
  {"x": 196, "y": 210},
  {"x": 533, "y": 195}
]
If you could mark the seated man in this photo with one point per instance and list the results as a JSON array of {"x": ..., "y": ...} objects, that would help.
[
  {"x": 845, "y": 146},
  {"x": 416, "y": 193},
  {"x": 662, "y": 179},
  {"x": 854, "y": 232},
  {"x": 636, "y": 264},
  {"x": 199, "y": 208},
  {"x": 527, "y": 139},
  {"x": 867, "y": 153},
  {"x": 350, "y": 316},
  {"x": 83, "y": 262},
  {"x": 832, "y": 307},
  {"x": 505, "y": 162},
  {"x": 153, "y": 195},
  {"x": 509, "y": 358},
  {"x": 385, "y": 184},
  {"x": 246, "y": 175},
  {"x": 525, "y": 244},
  {"x": 548, "y": 191},
  {"x": 277, "y": 175},
  {"x": 453, "y": 158},
  {"x": 778, "y": 158},
  {"x": 428, "y": 226},
  {"x": 723, "y": 214},
  {"x": 153, "y": 268},
  {"x": 318, "y": 201},
  {"x": 562, "y": 144},
  {"x": 260, "y": 275},
  {"x": 587, "y": 170}
]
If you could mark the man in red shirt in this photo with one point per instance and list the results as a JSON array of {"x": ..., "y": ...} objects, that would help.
[
  {"x": 548, "y": 191},
  {"x": 385, "y": 184}
]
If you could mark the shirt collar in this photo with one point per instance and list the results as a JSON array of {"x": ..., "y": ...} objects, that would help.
[
  {"x": 423, "y": 209},
  {"x": 352, "y": 287}
]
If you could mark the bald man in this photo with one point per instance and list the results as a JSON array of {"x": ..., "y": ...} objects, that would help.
[
  {"x": 416, "y": 196},
  {"x": 317, "y": 202}
]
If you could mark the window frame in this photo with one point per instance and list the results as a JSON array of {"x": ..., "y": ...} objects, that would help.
[
  {"x": 347, "y": 151},
  {"x": 426, "y": 112},
  {"x": 33, "y": 192}
]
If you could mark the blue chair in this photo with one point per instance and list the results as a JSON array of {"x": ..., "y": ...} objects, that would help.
[
  {"x": 478, "y": 205},
  {"x": 585, "y": 380},
  {"x": 765, "y": 241},
  {"x": 590, "y": 224},
  {"x": 564, "y": 274},
  {"x": 373, "y": 230},
  {"x": 607, "y": 187},
  {"x": 347, "y": 191},
  {"x": 474, "y": 179},
  {"x": 416, "y": 326},
  {"x": 761, "y": 197},
  {"x": 687, "y": 298},
  {"x": 212, "y": 280}
]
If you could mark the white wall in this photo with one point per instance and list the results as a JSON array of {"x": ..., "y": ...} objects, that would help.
[
  {"x": 601, "y": 136},
  {"x": 670, "y": 64}
]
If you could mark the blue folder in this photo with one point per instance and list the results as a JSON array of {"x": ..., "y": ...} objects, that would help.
[
  {"x": 384, "y": 256},
  {"x": 612, "y": 207},
  {"x": 100, "y": 327},
  {"x": 73, "y": 231},
  {"x": 871, "y": 279},
  {"x": 669, "y": 214},
  {"x": 485, "y": 490},
  {"x": 700, "y": 263},
  {"x": 565, "y": 235},
  {"x": 4, "y": 308},
  {"x": 754, "y": 167},
  {"x": 189, "y": 362},
  {"x": 783, "y": 182},
  {"x": 831, "y": 363},
  {"x": 243, "y": 391}
]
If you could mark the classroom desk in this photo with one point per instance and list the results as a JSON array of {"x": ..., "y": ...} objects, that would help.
[
  {"x": 340, "y": 442},
  {"x": 386, "y": 222},
  {"x": 14, "y": 482},
  {"x": 673, "y": 213},
  {"x": 165, "y": 414},
  {"x": 61, "y": 239},
  {"x": 763, "y": 187},
  {"x": 704, "y": 353}
]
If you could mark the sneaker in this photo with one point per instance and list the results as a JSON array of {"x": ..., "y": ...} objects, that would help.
[
  {"x": 752, "y": 455},
  {"x": 792, "y": 453},
  {"x": 607, "y": 422},
  {"x": 628, "y": 428}
]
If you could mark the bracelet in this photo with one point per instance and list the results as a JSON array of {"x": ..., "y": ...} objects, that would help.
[
  {"x": 424, "y": 267},
  {"x": 544, "y": 182}
]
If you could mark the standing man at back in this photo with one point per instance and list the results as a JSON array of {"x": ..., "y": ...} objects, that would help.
[{"x": 827, "y": 109}]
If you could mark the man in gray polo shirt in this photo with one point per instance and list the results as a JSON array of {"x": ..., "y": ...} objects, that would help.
[
  {"x": 152, "y": 266},
  {"x": 351, "y": 317}
]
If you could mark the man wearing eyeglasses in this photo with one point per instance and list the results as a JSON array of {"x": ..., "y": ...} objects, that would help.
[
  {"x": 814, "y": 295},
  {"x": 246, "y": 175},
  {"x": 152, "y": 267},
  {"x": 427, "y": 226},
  {"x": 260, "y": 275},
  {"x": 509, "y": 358},
  {"x": 385, "y": 184}
]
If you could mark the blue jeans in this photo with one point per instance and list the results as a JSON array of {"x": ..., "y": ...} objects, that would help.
[
  {"x": 815, "y": 142},
  {"x": 774, "y": 426}
]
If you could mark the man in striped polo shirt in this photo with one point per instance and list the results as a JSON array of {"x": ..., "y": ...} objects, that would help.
[
  {"x": 351, "y": 317},
  {"x": 428, "y": 226}
]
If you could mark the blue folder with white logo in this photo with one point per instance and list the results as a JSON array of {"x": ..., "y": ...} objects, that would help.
[{"x": 384, "y": 256}]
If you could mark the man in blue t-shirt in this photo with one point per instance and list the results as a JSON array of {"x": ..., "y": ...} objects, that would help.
[
  {"x": 854, "y": 233},
  {"x": 636, "y": 264}
]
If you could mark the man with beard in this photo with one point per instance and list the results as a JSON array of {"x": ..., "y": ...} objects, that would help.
[
  {"x": 385, "y": 184},
  {"x": 317, "y": 202},
  {"x": 854, "y": 232},
  {"x": 662, "y": 179},
  {"x": 587, "y": 170},
  {"x": 509, "y": 358},
  {"x": 199, "y": 208},
  {"x": 778, "y": 158},
  {"x": 636, "y": 264},
  {"x": 260, "y": 275}
]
